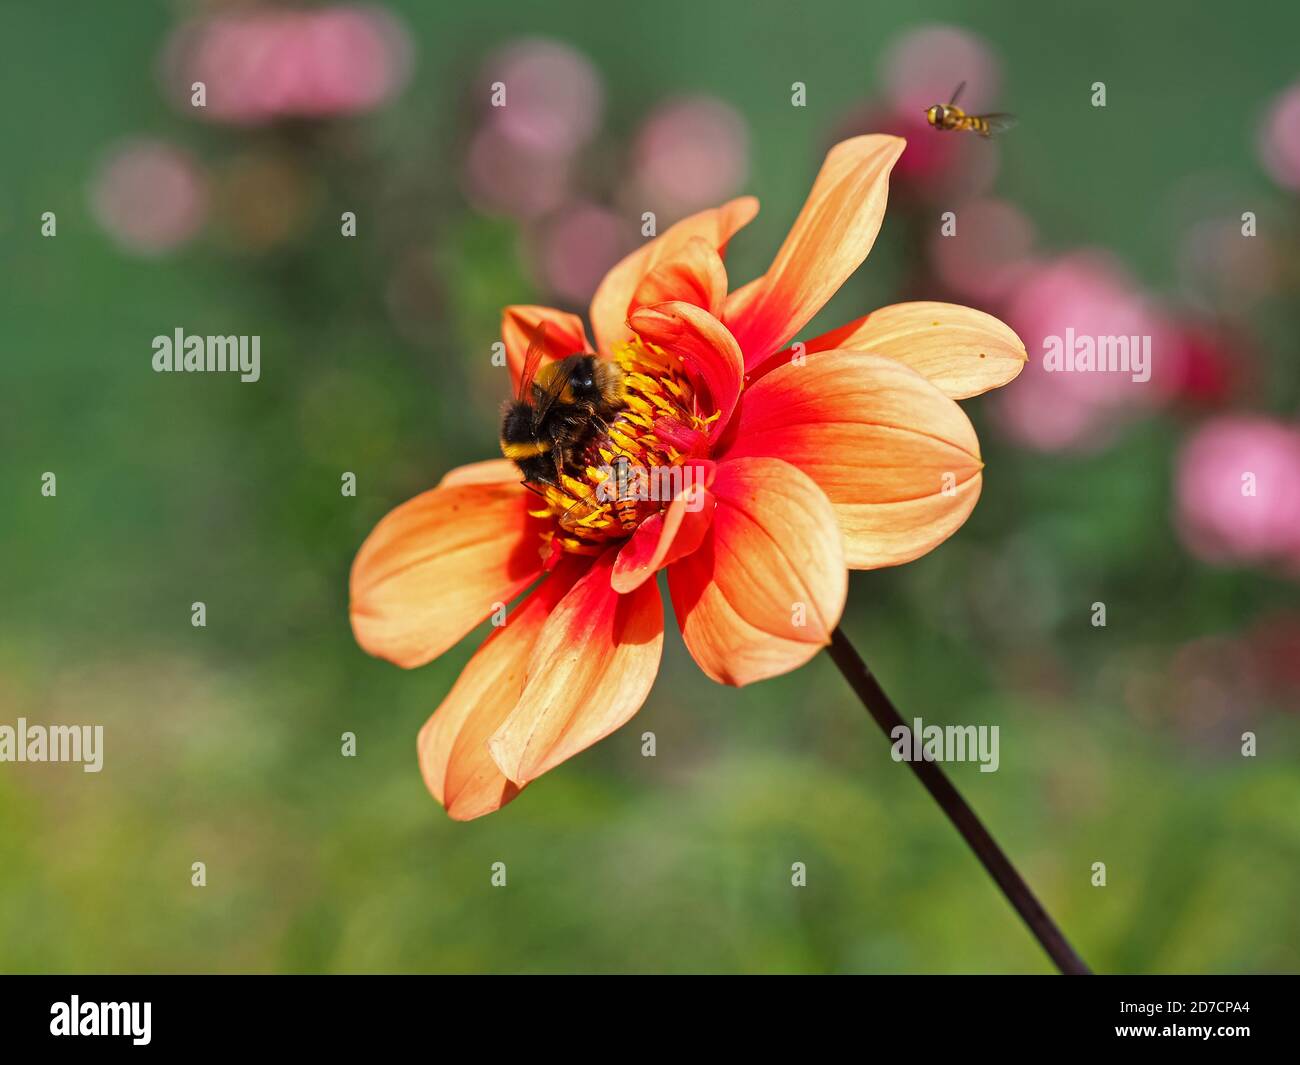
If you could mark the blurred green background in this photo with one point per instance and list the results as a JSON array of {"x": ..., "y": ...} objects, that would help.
[{"x": 1119, "y": 744}]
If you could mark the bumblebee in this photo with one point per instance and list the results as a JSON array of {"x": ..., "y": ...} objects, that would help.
[
  {"x": 559, "y": 412},
  {"x": 951, "y": 117}
]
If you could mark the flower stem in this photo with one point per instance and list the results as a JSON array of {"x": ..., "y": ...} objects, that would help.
[{"x": 1004, "y": 874}]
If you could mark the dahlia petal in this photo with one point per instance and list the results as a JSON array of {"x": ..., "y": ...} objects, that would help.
[
  {"x": 670, "y": 432},
  {"x": 739, "y": 300},
  {"x": 590, "y": 670},
  {"x": 890, "y": 534},
  {"x": 828, "y": 241},
  {"x": 610, "y": 304},
  {"x": 961, "y": 351},
  {"x": 662, "y": 538},
  {"x": 695, "y": 275},
  {"x": 710, "y": 353},
  {"x": 434, "y": 567},
  {"x": 454, "y": 759},
  {"x": 897, "y": 458},
  {"x": 564, "y": 335},
  {"x": 766, "y": 588},
  {"x": 488, "y": 471}
]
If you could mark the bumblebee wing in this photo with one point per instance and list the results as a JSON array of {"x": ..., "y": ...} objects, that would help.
[
  {"x": 558, "y": 378},
  {"x": 957, "y": 92},
  {"x": 999, "y": 122},
  {"x": 532, "y": 360}
]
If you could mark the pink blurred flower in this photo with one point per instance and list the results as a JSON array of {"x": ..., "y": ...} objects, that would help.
[
  {"x": 1090, "y": 294},
  {"x": 989, "y": 254},
  {"x": 261, "y": 65},
  {"x": 1213, "y": 364},
  {"x": 149, "y": 196},
  {"x": 502, "y": 177},
  {"x": 522, "y": 156},
  {"x": 553, "y": 96},
  {"x": 1279, "y": 139},
  {"x": 691, "y": 153},
  {"x": 1238, "y": 491},
  {"x": 924, "y": 65},
  {"x": 577, "y": 247}
]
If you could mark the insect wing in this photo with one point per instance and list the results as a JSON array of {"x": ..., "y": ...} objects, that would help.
[
  {"x": 956, "y": 93},
  {"x": 551, "y": 391},
  {"x": 999, "y": 122},
  {"x": 532, "y": 360},
  {"x": 581, "y": 509}
]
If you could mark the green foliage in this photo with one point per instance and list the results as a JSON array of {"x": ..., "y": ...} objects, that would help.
[{"x": 223, "y": 743}]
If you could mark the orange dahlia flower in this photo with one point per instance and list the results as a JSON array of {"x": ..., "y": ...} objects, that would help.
[{"x": 845, "y": 452}]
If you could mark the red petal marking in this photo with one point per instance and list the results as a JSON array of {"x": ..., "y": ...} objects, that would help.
[
  {"x": 696, "y": 275},
  {"x": 452, "y": 746},
  {"x": 590, "y": 670},
  {"x": 664, "y": 537},
  {"x": 708, "y": 352},
  {"x": 434, "y": 567},
  {"x": 766, "y": 587},
  {"x": 898, "y": 459}
]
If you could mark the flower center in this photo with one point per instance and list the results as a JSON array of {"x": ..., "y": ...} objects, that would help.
[{"x": 636, "y": 466}]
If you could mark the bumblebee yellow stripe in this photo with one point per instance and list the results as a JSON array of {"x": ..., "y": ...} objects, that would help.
[{"x": 532, "y": 449}]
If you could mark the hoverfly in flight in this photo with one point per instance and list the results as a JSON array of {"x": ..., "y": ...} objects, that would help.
[{"x": 950, "y": 116}]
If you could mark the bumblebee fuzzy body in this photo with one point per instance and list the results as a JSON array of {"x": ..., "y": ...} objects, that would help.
[{"x": 566, "y": 407}]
